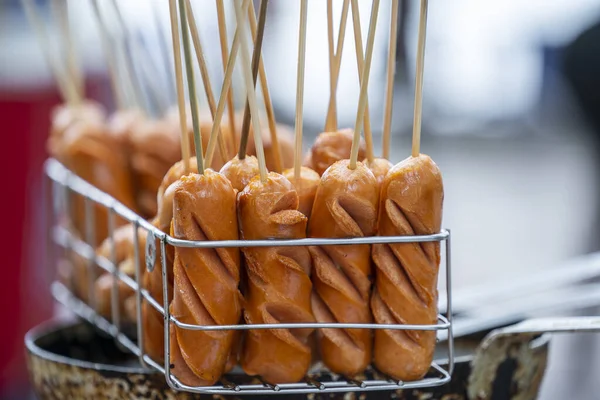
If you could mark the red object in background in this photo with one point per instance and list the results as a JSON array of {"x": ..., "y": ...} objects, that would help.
[
  {"x": 25, "y": 269},
  {"x": 24, "y": 294}
]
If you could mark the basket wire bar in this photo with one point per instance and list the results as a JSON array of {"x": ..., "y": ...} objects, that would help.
[{"x": 60, "y": 236}]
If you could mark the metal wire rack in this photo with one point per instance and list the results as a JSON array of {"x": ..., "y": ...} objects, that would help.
[{"x": 62, "y": 183}]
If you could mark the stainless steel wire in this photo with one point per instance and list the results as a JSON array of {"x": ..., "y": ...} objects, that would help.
[{"x": 66, "y": 183}]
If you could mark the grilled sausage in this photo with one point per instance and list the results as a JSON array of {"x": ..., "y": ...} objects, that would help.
[
  {"x": 405, "y": 291},
  {"x": 65, "y": 115},
  {"x": 306, "y": 187},
  {"x": 89, "y": 150},
  {"x": 345, "y": 206},
  {"x": 331, "y": 147},
  {"x": 205, "y": 280},
  {"x": 124, "y": 258},
  {"x": 379, "y": 167},
  {"x": 152, "y": 281},
  {"x": 279, "y": 286},
  {"x": 155, "y": 147},
  {"x": 240, "y": 172}
]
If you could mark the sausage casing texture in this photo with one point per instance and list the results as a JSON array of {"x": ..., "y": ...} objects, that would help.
[
  {"x": 306, "y": 187},
  {"x": 345, "y": 206},
  {"x": 379, "y": 167},
  {"x": 330, "y": 147},
  {"x": 279, "y": 286},
  {"x": 152, "y": 320},
  {"x": 405, "y": 291},
  {"x": 205, "y": 287},
  {"x": 240, "y": 172}
]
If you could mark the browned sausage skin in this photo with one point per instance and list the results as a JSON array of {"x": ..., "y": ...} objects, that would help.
[
  {"x": 205, "y": 290},
  {"x": 240, "y": 172},
  {"x": 345, "y": 206},
  {"x": 279, "y": 286},
  {"x": 306, "y": 187},
  {"x": 152, "y": 281},
  {"x": 405, "y": 291},
  {"x": 379, "y": 167},
  {"x": 330, "y": 147}
]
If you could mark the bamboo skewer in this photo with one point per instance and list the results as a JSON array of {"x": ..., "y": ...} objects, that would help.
[
  {"x": 300, "y": 89},
  {"x": 256, "y": 55},
  {"x": 65, "y": 87},
  {"x": 164, "y": 53},
  {"x": 416, "y": 137},
  {"x": 331, "y": 117},
  {"x": 362, "y": 101},
  {"x": 235, "y": 45},
  {"x": 185, "y": 144},
  {"x": 150, "y": 71},
  {"x": 205, "y": 76},
  {"x": 358, "y": 44},
  {"x": 113, "y": 69},
  {"x": 191, "y": 80},
  {"x": 222, "y": 22},
  {"x": 61, "y": 14},
  {"x": 132, "y": 77},
  {"x": 268, "y": 102},
  {"x": 331, "y": 124},
  {"x": 249, "y": 83},
  {"x": 389, "y": 90}
]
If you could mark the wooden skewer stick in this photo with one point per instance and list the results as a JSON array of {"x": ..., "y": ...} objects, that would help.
[
  {"x": 256, "y": 55},
  {"x": 267, "y": 99},
  {"x": 389, "y": 89},
  {"x": 61, "y": 14},
  {"x": 164, "y": 53},
  {"x": 133, "y": 79},
  {"x": 331, "y": 124},
  {"x": 222, "y": 22},
  {"x": 300, "y": 89},
  {"x": 65, "y": 87},
  {"x": 113, "y": 70},
  {"x": 185, "y": 143},
  {"x": 331, "y": 117},
  {"x": 358, "y": 44},
  {"x": 416, "y": 138},
  {"x": 150, "y": 74},
  {"x": 205, "y": 77},
  {"x": 235, "y": 45},
  {"x": 362, "y": 101},
  {"x": 249, "y": 83},
  {"x": 133, "y": 48},
  {"x": 189, "y": 70}
]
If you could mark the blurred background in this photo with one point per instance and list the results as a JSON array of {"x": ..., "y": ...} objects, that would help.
[{"x": 511, "y": 114}]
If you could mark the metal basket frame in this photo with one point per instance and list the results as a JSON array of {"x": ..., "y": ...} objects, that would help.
[{"x": 62, "y": 183}]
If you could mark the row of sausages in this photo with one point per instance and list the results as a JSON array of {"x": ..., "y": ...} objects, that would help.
[{"x": 391, "y": 284}]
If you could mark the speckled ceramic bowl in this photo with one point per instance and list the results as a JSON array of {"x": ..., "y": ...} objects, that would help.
[{"x": 73, "y": 361}]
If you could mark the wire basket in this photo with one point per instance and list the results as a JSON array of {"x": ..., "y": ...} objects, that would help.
[{"x": 62, "y": 183}]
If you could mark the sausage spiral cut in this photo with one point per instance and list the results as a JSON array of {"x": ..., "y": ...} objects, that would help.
[
  {"x": 405, "y": 291},
  {"x": 205, "y": 280},
  {"x": 279, "y": 286},
  {"x": 345, "y": 206},
  {"x": 153, "y": 320}
]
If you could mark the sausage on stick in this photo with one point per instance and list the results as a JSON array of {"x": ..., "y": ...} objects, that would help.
[
  {"x": 279, "y": 286},
  {"x": 345, "y": 206},
  {"x": 152, "y": 281},
  {"x": 205, "y": 281},
  {"x": 412, "y": 196},
  {"x": 379, "y": 166}
]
